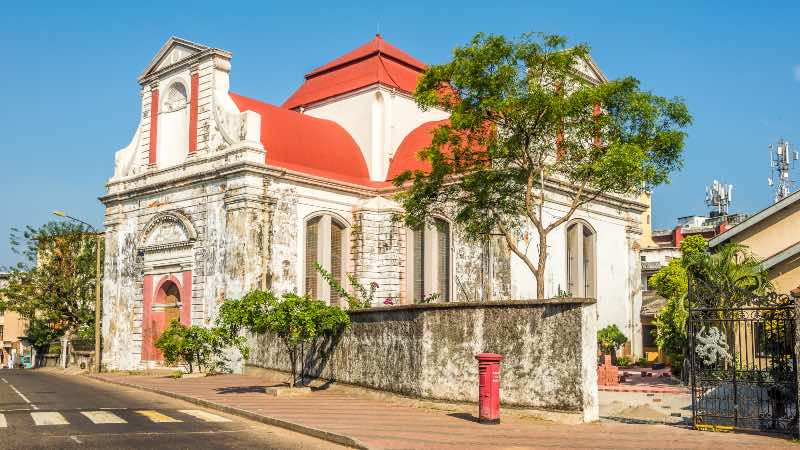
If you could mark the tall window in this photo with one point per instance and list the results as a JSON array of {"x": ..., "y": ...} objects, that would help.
[
  {"x": 429, "y": 261},
  {"x": 581, "y": 260},
  {"x": 325, "y": 244}
]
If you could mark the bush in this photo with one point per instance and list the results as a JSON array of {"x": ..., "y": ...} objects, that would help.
[
  {"x": 610, "y": 338},
  {"x": 623, "y": 361},
  {"x": 294, "y": 319},
  {"x": 642, "y": 362},
  {"x": 194, "y": 347}
]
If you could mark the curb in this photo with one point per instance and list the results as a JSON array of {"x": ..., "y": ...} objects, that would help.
[{"x": 303, "y": 429}]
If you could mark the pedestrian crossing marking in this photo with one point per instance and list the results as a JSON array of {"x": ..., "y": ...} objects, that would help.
[
  {"x": 101, "y": 417},
  {"x": 157, "y": 417},
  {"x": 48, "y": 418},
  {"x": 3, "y": 423},
  {"x": 203, "y": 415}
]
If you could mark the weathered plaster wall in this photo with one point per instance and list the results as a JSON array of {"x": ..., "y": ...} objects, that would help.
[{"x": 429, "y": 351}]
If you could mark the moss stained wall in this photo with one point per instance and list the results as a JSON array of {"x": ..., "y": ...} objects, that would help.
[{"x": 429, "y": 351}]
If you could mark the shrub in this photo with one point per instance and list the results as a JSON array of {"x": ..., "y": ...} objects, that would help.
[
  {"x": 296, "y": 320},
  {"x": 642, "y": 362},
  {"x": 610, "y": 338},
  {"x": 362, "y": 296},
  {"x": 194, "y": 347},
  {"x": 623, "y": 361}
]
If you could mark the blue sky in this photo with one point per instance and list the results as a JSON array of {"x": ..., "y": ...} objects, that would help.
[{"x": 69, "y": 96}]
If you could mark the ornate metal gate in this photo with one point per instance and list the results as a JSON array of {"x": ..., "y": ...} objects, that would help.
[{"x": 743, "y": 366}]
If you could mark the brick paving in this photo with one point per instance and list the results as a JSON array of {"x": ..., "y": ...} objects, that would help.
[{"x": 378, "y": 424}]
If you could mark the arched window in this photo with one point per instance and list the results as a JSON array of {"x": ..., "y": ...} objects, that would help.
[
  {"x": 581, "y": 260},
  {"x": 325, "y": 244},
  {"x": 428, "y": 261}
]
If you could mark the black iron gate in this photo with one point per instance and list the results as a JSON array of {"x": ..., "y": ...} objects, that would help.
[{"x": 743, "y": 366}]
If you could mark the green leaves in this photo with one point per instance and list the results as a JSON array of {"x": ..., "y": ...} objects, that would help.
[
  {"x": 524, "y": 112},
  {"x": 195, "y": 347},
  {"x": 56, "y": 281},
  {"x": 610, "y": 339}
]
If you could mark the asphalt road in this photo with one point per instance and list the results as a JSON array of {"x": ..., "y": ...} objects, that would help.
[{"x": 45, "y": 410}]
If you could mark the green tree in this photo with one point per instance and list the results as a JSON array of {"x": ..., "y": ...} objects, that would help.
[
  {"x": 195, "y": 347},
  {"x": 730, "y": 277},
  {"x": 54, "y": 285},
  {"x": 526, "y": 128},
  {"x": 295, "y": 320},
  {"x": 671, "y": 282},
  {"x": 610, "y": 338}
]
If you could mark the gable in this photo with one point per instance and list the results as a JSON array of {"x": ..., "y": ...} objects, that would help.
[{"x": 172, "y": 52}]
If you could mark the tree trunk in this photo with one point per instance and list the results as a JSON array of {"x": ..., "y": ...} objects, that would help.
[
  {"x": 293, "y": 358},
  {"x": 539, "y": 274}
]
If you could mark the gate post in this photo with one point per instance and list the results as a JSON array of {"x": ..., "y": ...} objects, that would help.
[{"x": 796, "y": 430}]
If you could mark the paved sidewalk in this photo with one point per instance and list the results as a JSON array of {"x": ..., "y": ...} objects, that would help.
[{"x": 369, "y": 423}]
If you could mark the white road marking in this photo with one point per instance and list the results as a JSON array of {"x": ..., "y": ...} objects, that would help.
[
  {"x": 3, "y": 423},
  {"x": 48, "y": 418},
  {"x": 100, "y": 417},
  {"x": 203, "y": 415},
  {"x": 157, "y": 417},
  {"x": 75, "y": 438},
  {"x": 20, "y": 394},
  {"x": 4, "y": 380}
]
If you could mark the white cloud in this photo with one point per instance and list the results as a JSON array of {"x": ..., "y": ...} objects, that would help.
[{"x": 797, "y": 72}]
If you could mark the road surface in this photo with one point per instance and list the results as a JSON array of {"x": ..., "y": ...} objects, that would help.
[{"x": 46, "y": 410}]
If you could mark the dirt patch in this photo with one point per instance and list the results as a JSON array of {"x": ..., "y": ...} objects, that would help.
[{"x": 642, "y": 412}]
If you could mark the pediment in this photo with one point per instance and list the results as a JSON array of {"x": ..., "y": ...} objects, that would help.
[
  {"x": 174, "y": 51},
  {"x": 591, "y": 71},
  {"x": 168, "y": 229}
]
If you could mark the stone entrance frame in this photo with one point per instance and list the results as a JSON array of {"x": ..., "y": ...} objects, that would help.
[{"x": 166, "y": 247}]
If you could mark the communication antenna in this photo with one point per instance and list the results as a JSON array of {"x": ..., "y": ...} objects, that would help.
[
  {"x": 719, "y": 197},
  {"x": 781, "y": 160}
]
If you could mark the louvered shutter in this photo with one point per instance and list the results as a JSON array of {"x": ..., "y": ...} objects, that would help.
[
  {"x": 312, "y": 230},
  {"x": 336, "y": 257},
  {"x": 443, "y": 259},
  {"x": 419, "y": 264},
  {"x": 588, "y": 262},
  {"x": 572, "y": 261}
]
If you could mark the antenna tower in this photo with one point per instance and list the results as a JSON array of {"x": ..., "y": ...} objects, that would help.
[
  {"x": 781, "y": 160},
  {"x": 719, "y": 197}
]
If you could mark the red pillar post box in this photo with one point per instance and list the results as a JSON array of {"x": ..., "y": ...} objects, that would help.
[{"x": 488, "y": 387}]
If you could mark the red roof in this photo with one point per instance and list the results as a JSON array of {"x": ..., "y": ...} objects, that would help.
[
  {"x": 306, "y": 144},
  {"x": 405, "y": 158},
  {"x": 375, "y": 62}
]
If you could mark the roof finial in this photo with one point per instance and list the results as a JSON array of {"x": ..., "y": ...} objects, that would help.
[{"x": 378, "y": 29}]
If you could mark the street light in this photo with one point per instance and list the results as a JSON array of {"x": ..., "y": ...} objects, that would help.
[{"x": 97, "y": 301}]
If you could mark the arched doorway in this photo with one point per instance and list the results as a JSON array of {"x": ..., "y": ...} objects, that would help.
[
  {"x": 168, "y": 300},
  {"x": 163, "y": 303}
]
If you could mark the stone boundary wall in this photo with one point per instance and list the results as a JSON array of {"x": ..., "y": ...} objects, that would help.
[{"x": 428, "y": 351}]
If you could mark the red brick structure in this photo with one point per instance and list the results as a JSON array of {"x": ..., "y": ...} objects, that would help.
[{"x": 607, "y": 373}]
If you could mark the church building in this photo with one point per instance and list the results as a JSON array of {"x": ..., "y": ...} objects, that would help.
[{"x": 219, "y": 193}]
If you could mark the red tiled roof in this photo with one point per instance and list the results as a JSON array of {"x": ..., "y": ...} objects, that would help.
[
  {"x": 375, "y": 62},
  {"x": 405, "y": 158},
  {"x": 306, "y": 144}
]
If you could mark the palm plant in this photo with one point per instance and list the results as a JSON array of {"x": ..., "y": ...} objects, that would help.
[{"x": 732, "y": 277}]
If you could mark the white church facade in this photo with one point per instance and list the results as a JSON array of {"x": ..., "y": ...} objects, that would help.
[{"x": 218, "y": 194}]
